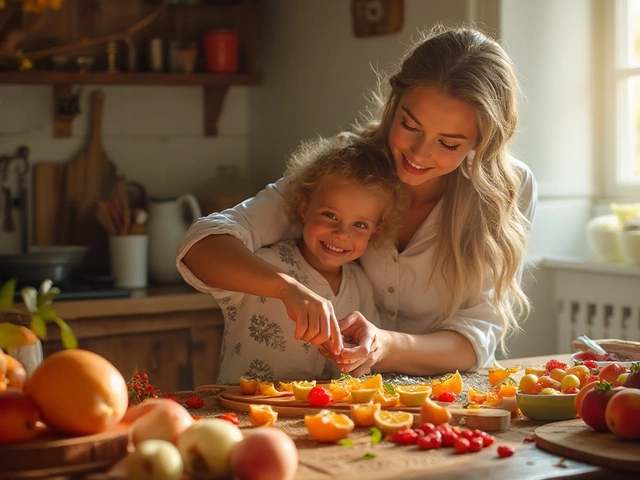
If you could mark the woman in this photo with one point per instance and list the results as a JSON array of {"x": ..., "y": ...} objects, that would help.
[{"x": 449, "y": 292}]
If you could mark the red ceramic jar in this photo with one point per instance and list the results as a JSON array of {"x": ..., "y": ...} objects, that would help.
[{"x": 221, "y": 51}]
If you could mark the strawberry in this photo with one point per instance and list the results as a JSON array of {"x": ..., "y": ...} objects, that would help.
[{"x": 194, "y": 401}]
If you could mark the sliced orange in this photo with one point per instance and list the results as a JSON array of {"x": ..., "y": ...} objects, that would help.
[
  {"x": 248, "y": 386},
  {"x": 386, "y": 400},
  {"x": 392, "y": 421},
  {"x": 433, "y": 412},
  {"x": 374, "y": 381},
  {"x": 338, "y": 392},
  {"x": 498, "y": 372},
  {"x": 362, "y": 413},
  {"x": 267, "y": 389},
  {"x": 413, "y": 395},
  {"x": 476, "y": 396},
  {"x": 451, "y": 382},
  {"x": 537, "y": 370},
  {"x": 286, "y": 386},
  {"x": 507, "y": 391},
  {"x": 328, "y": 426},
  {"x": 262, "y": 415},
  {"x": 301, "y": 390}
]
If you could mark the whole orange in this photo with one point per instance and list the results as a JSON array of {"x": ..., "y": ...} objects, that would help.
[{"x": 78, "y": 392}]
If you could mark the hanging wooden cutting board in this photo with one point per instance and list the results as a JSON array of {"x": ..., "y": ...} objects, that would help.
[
  {"x": 574, "y": 439},
  {"x": 66, "y": 196}
]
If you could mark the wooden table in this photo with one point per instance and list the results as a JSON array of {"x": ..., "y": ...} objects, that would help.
[{"x": 528, "y": 462}]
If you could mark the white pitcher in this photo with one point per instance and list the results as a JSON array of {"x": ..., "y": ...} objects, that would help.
[{"x": 166, "y": 226}]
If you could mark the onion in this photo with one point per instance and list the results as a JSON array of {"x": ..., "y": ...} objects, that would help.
[
  {"x": 265, "y": 454},
  {"x": 158, "y": 419}
]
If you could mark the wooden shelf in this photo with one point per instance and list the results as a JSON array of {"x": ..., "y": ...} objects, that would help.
[{"x": 104, "y": 78}]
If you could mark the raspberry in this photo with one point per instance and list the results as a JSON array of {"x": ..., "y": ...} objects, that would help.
[
  {"x": 319, "y": 397},
  {"x": 194, "y": 401},
  {"x": 551, "y": 364}
]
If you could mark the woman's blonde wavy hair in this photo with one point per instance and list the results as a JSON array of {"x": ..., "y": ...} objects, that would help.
[
  {"x": 483, "y": 233},
  {"x": 344, "y": 158}
]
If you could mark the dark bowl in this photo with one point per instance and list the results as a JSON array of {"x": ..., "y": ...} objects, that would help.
[{"x": 53, "y": 262}]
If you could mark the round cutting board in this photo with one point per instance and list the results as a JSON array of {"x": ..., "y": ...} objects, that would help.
[
  {"x": 574, "y": 439},
  {"x": 52, "y": 455}
]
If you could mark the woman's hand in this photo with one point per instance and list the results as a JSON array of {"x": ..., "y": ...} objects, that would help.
[
  {"x": 315, "y": 319},
  {"x": 363, "y": 345}
]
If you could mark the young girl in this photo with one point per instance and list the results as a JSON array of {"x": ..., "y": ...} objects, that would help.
[
  {"x": 340, "y": 196},
  {"x": 449, "y": 291}
]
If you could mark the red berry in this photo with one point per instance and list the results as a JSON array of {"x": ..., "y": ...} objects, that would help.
[
  {"x": 230, "y": 417},
  {"x": 449, "y": 438},
  {"x": 505, "y": 451},
  {"x": 405, "y": 437},
  {"x": 461, "y": 445},
  {"x": 447, "y": 397},
  {"x": 319, "y": 397},
  {"x": 591, "y": 364},
  {"x": 551, "y": 364},
  {"x": 488, "y": 440},
  {"x": 476, "y": 444},
  {"x": 572, "y": 390},
  {"x": 194, "y": 401},
  {"x": 430, "y": 441},
  {"x": 427, "y": 428}
]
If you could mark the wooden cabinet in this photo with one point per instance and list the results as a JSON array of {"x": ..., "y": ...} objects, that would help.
[
  {"x": 178, "y": 347},
  {"x": 83, "y": 27}
]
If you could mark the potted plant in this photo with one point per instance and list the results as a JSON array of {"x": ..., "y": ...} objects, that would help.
[{"x": 23, "y": 342}]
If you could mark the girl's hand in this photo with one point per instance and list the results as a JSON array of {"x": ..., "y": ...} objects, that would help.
[
  {"x": 315, "y": 319},
  {"x": 363, "y": 345}
]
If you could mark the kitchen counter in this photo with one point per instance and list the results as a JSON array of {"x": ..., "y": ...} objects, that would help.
[{"x": 153, "y": 299}]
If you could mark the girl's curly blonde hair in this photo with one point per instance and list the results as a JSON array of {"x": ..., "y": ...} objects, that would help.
[{"x": 344, "y": 158}]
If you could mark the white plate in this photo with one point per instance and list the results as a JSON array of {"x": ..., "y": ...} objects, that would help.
[{"x": 599, "y": 363}]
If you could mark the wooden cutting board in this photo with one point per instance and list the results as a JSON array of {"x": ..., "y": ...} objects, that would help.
[
  {"x": 54, "y": 455},
  {"x": 66, "y": 196},
  {"x": 574, "y": 439},
  {"x": 487, "y": 419}
]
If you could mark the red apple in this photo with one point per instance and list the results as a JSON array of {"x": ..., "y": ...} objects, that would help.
[
  {"x": 623, "y": 414},
  {"x": 611, "y": 372},
  {"x": 18, "y": 416},
  {"x": 594, "y": 405}
]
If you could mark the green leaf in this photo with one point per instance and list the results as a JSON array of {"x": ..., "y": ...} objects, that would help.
[
  {"x": 38, "y": 326},
  {"x": 30, "y": 298},
  {"x": 10, "y": 336},
  {"x": 7, "y": 293},
  {"x": 368, "y": 456},
  {"x": 376, "y": 435},
  {"x": 345, "y": 442},
  {"x": 389, "y": 388},
  {"x": 69, "y": 340},
  {"x": 47, "y": 314}
]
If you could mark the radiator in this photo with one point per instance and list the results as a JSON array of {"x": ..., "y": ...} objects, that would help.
[{"x": 597, "y": 303}]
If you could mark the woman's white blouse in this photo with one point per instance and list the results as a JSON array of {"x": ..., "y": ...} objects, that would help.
[{"x": 407, "y": 300}]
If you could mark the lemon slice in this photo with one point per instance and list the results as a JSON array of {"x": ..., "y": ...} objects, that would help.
[
  {"x": 413, "y": 395},
  {"x": 364, "y": 395},
  {"x": 301, "y": 390},
  {"x": 390, "y": 422}
]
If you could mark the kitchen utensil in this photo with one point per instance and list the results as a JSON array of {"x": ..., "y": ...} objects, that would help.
[
  {"x": 487, "y": 419},
  {"x": 574, "y": 439},
  {"x": 128, "y": 256},
  {"x": 55, "y": 262},
  {"x": 88, "y": 180},
  {"x": 624, "y": 350},
  {"x": 54, "y": 455},
  {"x": 166, "y": 226},
  {"x": 591, "y": 345},
  {"x": 139, "y": 226}
]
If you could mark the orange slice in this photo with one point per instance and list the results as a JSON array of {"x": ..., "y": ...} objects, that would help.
[
  {"x": 328, "y": 426},
  {"x": 498, "y": 372},
  {"x": 476, "y": 396},
  {"x": 362, "y": 413},
  {"x": 413, "y": 395},
  {"x": 338, "y": 392},
  {"x": 374, "y": 382},
  {"x": 301, "y": 390},
  {"x": 262, "y": 415},
  {"x": 386, "y": 400},
  {"x": 248, "y": 386},
  {"x": 451, "y": 382},
  {"x": 267, "y": 389},
  {"x": 286, "y": 386},
  {"x": 390, "y": 422}
]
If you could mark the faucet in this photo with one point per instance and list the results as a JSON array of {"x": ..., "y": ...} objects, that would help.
[{"x": 20, "y": 202}]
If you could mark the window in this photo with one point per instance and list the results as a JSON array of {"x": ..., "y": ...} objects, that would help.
[{"x": 627, "y": 87}]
